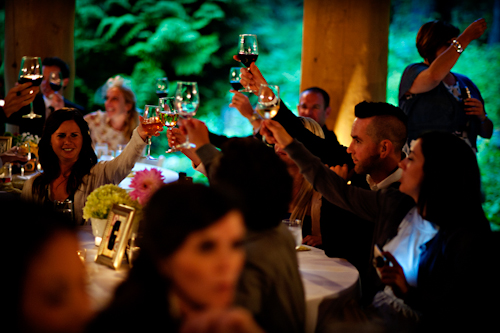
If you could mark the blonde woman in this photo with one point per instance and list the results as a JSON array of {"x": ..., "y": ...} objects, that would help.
[
  {"x": 115, "y": 125},
  {"x": 306, "y": 202}
]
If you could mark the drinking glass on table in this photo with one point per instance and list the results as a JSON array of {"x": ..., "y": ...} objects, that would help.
[
  {"x": 295, "y": 228},
  {"x": 162, "y": 87},
  {"x": 31, "y": 71},
  {"x": 169, "y": 116},
  {"x": 187, "y": 100},
  {"x": 248, "y": 52},
  {"x": 235, "y": 77},
  {"x": 151, "y": 123}
]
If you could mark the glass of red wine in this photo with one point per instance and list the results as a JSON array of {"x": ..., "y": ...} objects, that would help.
[
  {"x": 248, "y": 51},
  {"x": 162, "y": 87},
  {"x": 55, "y": 81},
  {"x": 31, "y": 71},
  {"x": 234, "y": 78},
  {"x": 151, "y": 123}
]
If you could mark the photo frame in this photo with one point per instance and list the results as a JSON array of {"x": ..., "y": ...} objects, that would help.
[
  {"x": 115, "y": 236},
  {"x": 5, "y": 143}
]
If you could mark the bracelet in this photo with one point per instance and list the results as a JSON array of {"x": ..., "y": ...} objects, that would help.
[
  {"x": 254, "y": 117},
  {"x": 458, "y": 47}
]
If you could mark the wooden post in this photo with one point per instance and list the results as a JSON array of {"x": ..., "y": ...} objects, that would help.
[
  {"x": 344, "y": 51},
  {"x": 42, "y": 28}
]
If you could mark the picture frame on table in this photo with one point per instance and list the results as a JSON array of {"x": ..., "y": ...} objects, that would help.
[
  {"x": 116, "y": 235},
  {"x": 5, "y": 143}
]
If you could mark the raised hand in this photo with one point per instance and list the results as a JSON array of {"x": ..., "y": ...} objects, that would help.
[
  {"x": 275, "y": 133},
  {"x": 196, "y": 130},
  {"x": 242, "y": 104},
  {"x": 19, "y": 96},
  {"x": 475, "y": 29}
]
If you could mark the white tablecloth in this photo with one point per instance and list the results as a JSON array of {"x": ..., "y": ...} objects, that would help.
[
  {"x": 327, "y": 281},
  {"x": 169, "y": 175}
]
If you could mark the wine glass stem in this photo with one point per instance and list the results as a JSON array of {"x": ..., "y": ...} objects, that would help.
[
  {"x": 149, "y": 146},
  {"x": 31, "y": 108}
]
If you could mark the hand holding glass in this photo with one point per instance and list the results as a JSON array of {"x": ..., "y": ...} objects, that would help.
[
  {"x": 31, "y": 71},
  {"x": 151, "y": 123}
]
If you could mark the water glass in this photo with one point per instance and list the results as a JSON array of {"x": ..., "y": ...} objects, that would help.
[{"x": 295, "y": 227}]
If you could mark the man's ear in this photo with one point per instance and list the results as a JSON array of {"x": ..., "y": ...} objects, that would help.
[
  {"x": 385, "y": 148},
  {"x": 327, "y": 112},
  {"x": 65, "y": 82}
]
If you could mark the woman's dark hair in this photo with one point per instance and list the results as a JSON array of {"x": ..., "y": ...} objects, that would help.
[
  {"x": 28, "y": 228},
  {"x": 450, "y": 193},
  {"x": 49, "y": 160},
  {"x": 254, "y": 174},
  {"x": 177, "y": 210},
  {"x": 432, "y": 36}
]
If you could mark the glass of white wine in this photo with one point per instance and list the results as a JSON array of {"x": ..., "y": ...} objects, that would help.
[
  {"x": 169, "y": 116},
  {"x": 268, "y": 102}
]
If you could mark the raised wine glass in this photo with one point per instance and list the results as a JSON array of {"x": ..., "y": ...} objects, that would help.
[
  {"x": 55, "y": 81},
  {"x": 235, "y": 77},
  {"x": 162, "y": 87},
  {"x": 248, "y": 51},
  {"x": 31, "y": 71},
  {"x": 268, "y": 102},
  {"x": 187, "y": 100},
  {"x": 151, "y": 123},
  {"x": 169, "y": 116}
]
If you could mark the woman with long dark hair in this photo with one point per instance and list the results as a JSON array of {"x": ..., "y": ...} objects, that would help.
[
  {"x": 430, "y": 231},
  {"x": 71, "y": 171},
  {"x": 186, "y": 273}
]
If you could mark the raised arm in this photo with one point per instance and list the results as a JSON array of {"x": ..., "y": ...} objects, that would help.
[{"x": 429, "y": 78}]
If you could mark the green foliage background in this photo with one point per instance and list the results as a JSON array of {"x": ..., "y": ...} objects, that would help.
[{"x": 195, "y": 39}]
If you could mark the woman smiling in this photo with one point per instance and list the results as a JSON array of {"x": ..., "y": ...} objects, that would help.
[{"x": 71, "y": 171}]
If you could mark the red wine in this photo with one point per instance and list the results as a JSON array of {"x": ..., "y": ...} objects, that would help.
[
  {"x": 36, "y": 80},
  {"x": 236, "y": 85},
  {"x": 161, "y": 94},
  {"x": 55, "y": 87},
  {"x": 247, "y": 59}
]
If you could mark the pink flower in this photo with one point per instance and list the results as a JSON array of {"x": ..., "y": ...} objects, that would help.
[{"x": 145, "y": 183}]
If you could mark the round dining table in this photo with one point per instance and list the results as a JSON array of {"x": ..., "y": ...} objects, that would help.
[{"x": 328, "y": 282}]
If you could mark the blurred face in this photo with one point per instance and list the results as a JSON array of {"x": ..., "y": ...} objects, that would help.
[
  {"x": 116, "y": 106},
  {"x": 67, "y": 142},
  {"x": 364, "y": 151},
  {"x": 55, "y": 298},
  {"x": 45, "y": 86},
  {"x": 312, "y": 105},
  {"x": 206, "y": 268},
  {"x": 413, "y": 171}
]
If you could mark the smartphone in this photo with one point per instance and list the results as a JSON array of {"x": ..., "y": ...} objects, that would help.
[{"x": 379, "y": 260}]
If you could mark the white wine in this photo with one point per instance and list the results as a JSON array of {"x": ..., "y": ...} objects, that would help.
[{"x": 267, "y": 111}]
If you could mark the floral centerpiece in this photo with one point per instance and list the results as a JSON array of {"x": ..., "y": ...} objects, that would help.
[
  {"x": 101, "y": 200},
  {"x": 32, "y": 140}
]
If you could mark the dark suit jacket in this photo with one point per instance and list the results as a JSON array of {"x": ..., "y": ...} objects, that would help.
[{"x": 35, "y": 126}]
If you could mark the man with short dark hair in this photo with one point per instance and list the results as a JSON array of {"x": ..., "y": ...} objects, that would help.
[{"x": 46, "y": 102}]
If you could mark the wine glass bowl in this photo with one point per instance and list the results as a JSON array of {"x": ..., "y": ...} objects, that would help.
[
  {"x": 186, "y": 102},
  {"x": 162, "y": 87},
  {"x": 268, "y": 102},
  {"x": 248, "y": 49},
  {"x": 169, "y": 116},
  {"x": 31, "y": 71},
  {"x": 235, "y": 78},
  {"x": 151, "y": 123},
  {"x": 55, "y": 81}
]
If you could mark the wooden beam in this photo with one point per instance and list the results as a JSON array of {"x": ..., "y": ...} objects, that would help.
[{"x": 344, "y": 51}]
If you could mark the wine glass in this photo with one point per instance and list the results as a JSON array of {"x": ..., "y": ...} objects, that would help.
[
  {"x": 248, "y": 51},
  {"x": 169, "y": 115},
  {"x": 162, "y": 87},
  {"x": 235, "y": 77},
  {"x": 151, "y": 123},
  {"x": 55, "y": 81},
  {"x": 187, "y": 100},
  {"x": 31, "y": 71},
  {"x": 268, "y": 102}
]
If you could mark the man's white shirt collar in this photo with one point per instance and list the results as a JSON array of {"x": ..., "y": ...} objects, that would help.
[{"x": 392, "y": 178}]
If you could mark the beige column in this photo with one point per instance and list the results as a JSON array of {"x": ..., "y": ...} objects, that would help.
[
  {"x": 344, "y": 51},
  {"x": 42, "y": 28}
]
